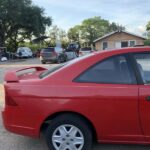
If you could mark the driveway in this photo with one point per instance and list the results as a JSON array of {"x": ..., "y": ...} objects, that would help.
[
  {"x": 10, "y": 141},
  {"x": 30, "y": 61}
]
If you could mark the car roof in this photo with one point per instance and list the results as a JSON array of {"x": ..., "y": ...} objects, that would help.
[
  {"x": 78, "y": 65},
  {"x": 125, "y": 50},
  {"x": 107, "y": 53}
]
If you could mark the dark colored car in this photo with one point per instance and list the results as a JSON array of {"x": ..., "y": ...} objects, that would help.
[
  {"x": 52, "y": 54},
  {"x": 103, "y": 96}
]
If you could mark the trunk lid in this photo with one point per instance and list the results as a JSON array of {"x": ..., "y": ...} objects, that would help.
[{"x": 23, "y": 74}]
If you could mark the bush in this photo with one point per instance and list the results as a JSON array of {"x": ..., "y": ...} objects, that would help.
[
  {"x": 147, "y": 42},
  {"x": 33, "y": 47}
]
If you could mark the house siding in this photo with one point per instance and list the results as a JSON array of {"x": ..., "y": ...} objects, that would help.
[{"x": 117, "y": 37}]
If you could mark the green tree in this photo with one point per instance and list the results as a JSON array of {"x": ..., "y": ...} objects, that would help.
[
  {"x": 20, "y": 20},
  {"x": 57, "y": 34},
  {"x": 91, "y": 29},
  {"x": 148, "y": 30},
  {"x": 74, "y": 34},
  {"x": 147, "y": 42},
  {"x": 148, "y": 26},
  {"x": 113, "y": 27}
]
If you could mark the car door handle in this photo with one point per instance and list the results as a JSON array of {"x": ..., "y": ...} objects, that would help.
[{"x": 148, "y": 98}]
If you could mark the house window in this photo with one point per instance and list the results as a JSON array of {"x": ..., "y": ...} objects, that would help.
[
  {"x": 105, "y": 45},
  {"x": 131, "y": 43},
  {"x": 124, "y": 44}
]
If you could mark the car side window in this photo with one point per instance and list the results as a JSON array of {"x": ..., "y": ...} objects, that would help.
[
  {"x": 114, "y": 70},
  {"x": 143, "y": 63}
]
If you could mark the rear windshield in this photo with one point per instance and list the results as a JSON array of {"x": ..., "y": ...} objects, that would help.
[
  {"x": 46, "y": 73},
  {"x": 86, "y": 49},
  {"x": 46, "y": 50},
  {"x": 21, "y": 50}
]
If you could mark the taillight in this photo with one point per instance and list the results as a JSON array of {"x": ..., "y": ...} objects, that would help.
[{"x": 9, "y": 100}]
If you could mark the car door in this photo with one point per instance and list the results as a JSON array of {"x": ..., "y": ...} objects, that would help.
[
  {"x": 143, "y": 67},
  {"x": 112, "y": 84}
]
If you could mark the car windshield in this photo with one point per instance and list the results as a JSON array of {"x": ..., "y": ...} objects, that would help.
[
  {"x": 53, "y": 69},
  {"x": 21, "y": 50},
  {"x": 86, "y": 49},
  {"x": 47, "y": 50},
  {"x": 46, "y": 73}
]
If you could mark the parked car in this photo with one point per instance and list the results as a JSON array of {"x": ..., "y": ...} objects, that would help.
[
  {"x": 24, "y": 52},
  {"x": 71, "y": 54},
  {"x": 52, "y": 54},
  {"x": 104, "y": 96},
  {"x": 72, "y": 51},
  {"x": 85, "y": 50}
]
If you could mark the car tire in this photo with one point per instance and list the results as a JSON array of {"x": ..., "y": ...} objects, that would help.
[
  {"x": 66, "y": 59},
  {"x": 61, "y": 128},
  {"x": 59, "y": 60}
]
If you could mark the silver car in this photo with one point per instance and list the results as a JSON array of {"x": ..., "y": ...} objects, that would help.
[
  {"x": 24, "y": 52},
  {"x": 85, "y": 51},
  {"x": 52, "y": 54}
]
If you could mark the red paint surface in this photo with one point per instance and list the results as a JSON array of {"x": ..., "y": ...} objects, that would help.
[{"x": 119, "y": 113}]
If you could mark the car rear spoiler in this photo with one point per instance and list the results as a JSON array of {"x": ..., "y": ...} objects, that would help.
[{"x": 12, "y": 76}]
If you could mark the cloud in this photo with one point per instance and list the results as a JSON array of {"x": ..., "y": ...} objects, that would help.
[{"x": 134, "y": 14}]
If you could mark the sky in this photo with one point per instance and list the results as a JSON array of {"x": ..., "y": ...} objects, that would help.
[{"x": 133, "y": 14}]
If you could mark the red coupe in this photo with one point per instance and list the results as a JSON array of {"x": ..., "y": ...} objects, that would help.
[{"x": 104, "y": 96}]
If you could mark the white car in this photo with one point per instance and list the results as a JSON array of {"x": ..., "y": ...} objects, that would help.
[
  {"x": 85, "y": 51},
  {"x": 71, "y": 54},
  {"x": 24, "y": 52}
]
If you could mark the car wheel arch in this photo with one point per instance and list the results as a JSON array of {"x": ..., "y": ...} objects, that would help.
[{"x": 47, "y": 121}]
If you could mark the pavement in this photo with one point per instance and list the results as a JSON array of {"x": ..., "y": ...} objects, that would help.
[
  {"x": 10, "y": 141},
  {"x": 1, "y": 95}
]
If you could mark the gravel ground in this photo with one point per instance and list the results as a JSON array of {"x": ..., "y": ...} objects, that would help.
[
  {"x": 5, "y": 66},
  {"x": 1, "y": 95},
  {"x": 10, "y": 141},
  {"x": 30, "y": 61}
]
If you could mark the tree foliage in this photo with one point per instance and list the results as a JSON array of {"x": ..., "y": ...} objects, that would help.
[
  {"x": 20, "y": 20},
  {"x": 148, "y": 31},
  {"x": 74, "y": 33},
  {"x": 147, "y": 42},
  {"x": 148, "y": 26},
  {"x": 91, "y": 29},
  {"x": 57, "y": 35}
]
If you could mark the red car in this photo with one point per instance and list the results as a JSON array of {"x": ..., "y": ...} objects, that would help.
[{"x": 103, "y": 96}]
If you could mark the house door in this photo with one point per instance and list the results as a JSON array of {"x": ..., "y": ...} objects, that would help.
[{"x": 118, "y": 45}]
